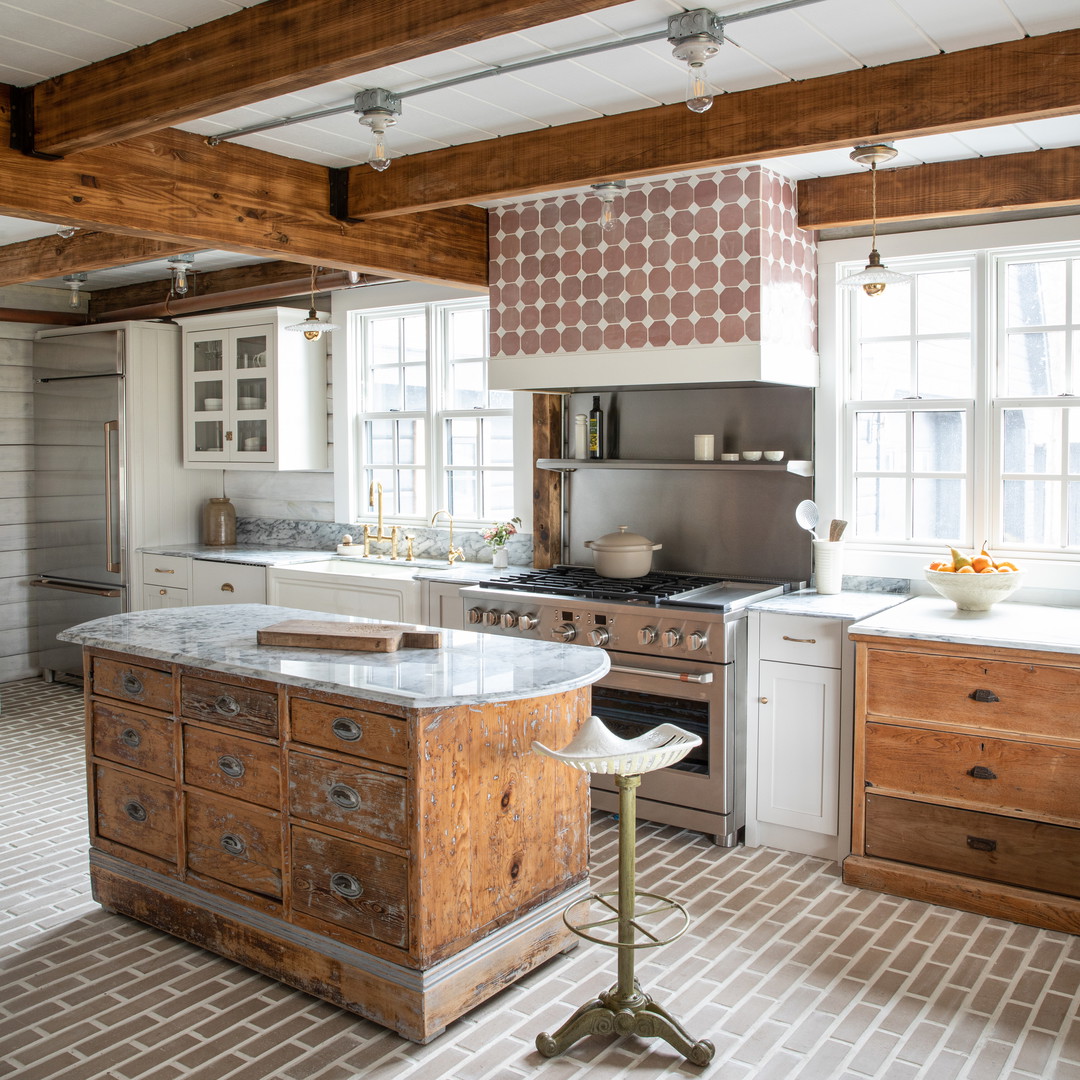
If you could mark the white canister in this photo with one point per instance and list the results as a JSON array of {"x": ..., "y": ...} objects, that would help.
[
  {"x": 704, "y": 447},
  {"x": 828, "y": 565},
  {"x": 581, "y": 436}
]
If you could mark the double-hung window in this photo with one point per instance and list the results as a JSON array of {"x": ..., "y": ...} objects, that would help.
[{"x": 428, "y": 429}]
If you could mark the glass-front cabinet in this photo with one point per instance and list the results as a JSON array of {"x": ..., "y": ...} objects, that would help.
[{"x": 255, "y": 393}]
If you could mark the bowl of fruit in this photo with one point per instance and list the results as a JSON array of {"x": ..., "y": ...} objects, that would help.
[{"x": 974, "y": 582}]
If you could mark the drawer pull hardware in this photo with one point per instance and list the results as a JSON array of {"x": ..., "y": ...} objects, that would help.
[
  {"x": 131, "y": 684},
  {"x": 136, "y": 811},
  {"x": 233, "y": 844},
  {"x": 226, "y": 587},
  {"x": 130, "y": 737},
  {"x": 231, "y": 766},
  {"x": 227, "y": 706},
  {"x": 802, "y": 640},
  {"x": 980, "y": 843},
  {"x": 344, "y": 796},
  {"x": 981, "y": 772},
  {"x": 345, "y": 729},
  {"x": 159, "y": 570},
  {"x": 346, "y": 885},
  {"x": 983, "y": 695}
]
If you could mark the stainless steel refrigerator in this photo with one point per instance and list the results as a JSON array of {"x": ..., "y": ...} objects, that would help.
[{"x": 79, "y": 473}]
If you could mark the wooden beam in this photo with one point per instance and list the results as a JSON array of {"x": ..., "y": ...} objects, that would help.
[
  {"x": 174, "y": 188},
  {"x": 52, "y": 256},
  {"x": 1029, "y": 79},
  {"x": 547, "y": 429},
  {"x": 1043, "y": 178},
  {"x": 263, "y": 51}
]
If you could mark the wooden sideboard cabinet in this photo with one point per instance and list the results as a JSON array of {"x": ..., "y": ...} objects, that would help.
[
  {"x": 967, "y": 769},
  {"x": 402, "y": 863}
]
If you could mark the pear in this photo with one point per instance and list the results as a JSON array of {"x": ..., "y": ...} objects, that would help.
[{"x": 959, "y": 559}]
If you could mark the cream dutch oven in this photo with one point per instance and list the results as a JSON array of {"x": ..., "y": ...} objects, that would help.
[{"x": 622, "y": 554}]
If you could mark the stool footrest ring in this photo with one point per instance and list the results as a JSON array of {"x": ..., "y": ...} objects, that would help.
[{"x": 662, "y": 910}]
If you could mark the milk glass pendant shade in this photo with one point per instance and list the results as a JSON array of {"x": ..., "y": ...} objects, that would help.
[
  {"x": 874, "y": 276},
  {"x": 312, "y": 327}
]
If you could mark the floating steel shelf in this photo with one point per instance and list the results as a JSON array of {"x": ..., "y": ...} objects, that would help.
[{"x": 798, "y": 468}]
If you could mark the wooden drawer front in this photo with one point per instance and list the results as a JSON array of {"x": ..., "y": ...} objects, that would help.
[
  {"x": 347, "y": 797},
  {"x": 136, "y": 811},
  {"x": 137, "y": 739},
  {"x": 352, "y": 731},
  {"x": 172, "y": 571},
  {"x": 959, "y": 691},
  {"x": 988, "y": 774},
  {"x": 350, "y": 885},
  {"x": 229, "y": 705},
  {"x": 133, "y": 682},
  {"x": 1008, "y": 850},
  {"x": 224, "y": 762},
  {"x": 234, "y": 842},
  {"x": 800, "y": 639}
]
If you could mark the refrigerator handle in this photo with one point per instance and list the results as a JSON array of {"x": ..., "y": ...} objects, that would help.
[
  {"x": 112, "y": 564},
  {"x": 85, "y": 590}
]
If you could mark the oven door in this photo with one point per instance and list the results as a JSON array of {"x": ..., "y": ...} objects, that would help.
[{"x": 703, "y": 791}]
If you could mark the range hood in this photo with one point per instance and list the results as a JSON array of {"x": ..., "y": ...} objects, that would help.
[{"x": 720, "y": 364}]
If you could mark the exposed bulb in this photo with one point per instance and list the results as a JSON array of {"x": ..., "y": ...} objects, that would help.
[
  {"x": 180, "y": 281},
  {"x": 379, "y": 160},
  {"x": 607, "y": 214},
  {"x": 66, "y": 232},
  {"x": 699, "y": 96},
  {"x": 73, "y": 282}
]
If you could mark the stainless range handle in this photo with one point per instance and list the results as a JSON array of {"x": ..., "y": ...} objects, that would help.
[
  {"x": 86, "y": 590},
  {"x": 112, "y": 564},
  {"x": 678, "y": 676}
]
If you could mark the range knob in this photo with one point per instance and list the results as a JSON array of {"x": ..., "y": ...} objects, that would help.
[
  {"x": 491, "y": 618},
  {"x": 599, "y": 636},
  {"x": 527, "y": 622},
  {"x": 697, "y": 640},
  {"x": 508, "y": 620},
  {"x": 476, "y": 615},
  {"x": 671, "y": 638},
  {"x": 564, "y": 632},
  {"x": 646, "y": 635}
]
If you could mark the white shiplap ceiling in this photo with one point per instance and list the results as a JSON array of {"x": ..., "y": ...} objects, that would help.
[{"x": 41, "y": 38}]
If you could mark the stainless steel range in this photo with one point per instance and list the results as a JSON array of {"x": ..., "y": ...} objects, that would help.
[{"x": 677, "y": 647}]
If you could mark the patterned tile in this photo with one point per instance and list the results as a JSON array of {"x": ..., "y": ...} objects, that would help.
[{"x": 792, "y": 974}]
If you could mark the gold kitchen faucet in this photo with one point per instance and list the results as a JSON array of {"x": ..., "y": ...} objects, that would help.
[{"x": 454, "y": 553}]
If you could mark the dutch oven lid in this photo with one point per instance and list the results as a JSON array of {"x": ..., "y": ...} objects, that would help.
[{"x": 623, "y": 541}]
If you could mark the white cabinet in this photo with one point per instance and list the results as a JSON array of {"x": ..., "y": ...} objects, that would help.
[
  {"x": 393, "y": 599},
  {"x": 254, "y": 392},
  {"x": 799, "y": 734},
  {"x": 214, "y": 582},
  {"x": 165, "y": 581},
  {"x": 443, "y": 605}
]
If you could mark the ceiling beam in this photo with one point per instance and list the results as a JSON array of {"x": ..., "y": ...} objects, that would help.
[
  {"x": 53, "y": 256},
  {"x": 1029, "y": 79},
  {"x": 1029, "y": 181},
  {"x": 173, "y": 187},
  {"x": 260, "y": 52}
]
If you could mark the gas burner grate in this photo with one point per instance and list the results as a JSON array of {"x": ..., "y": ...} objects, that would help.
[{"x": 585, "y": 583}]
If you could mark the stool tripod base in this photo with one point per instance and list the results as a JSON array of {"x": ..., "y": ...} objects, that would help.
[{"x": 625, "y": 1014}]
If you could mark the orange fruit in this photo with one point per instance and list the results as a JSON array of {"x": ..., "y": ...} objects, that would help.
[
  {"x": 1006, "y": 566},
  {"x": 981, "y": 563},
  {"x": 988, "y": 570},
  {"x": 965, "y": 570}
]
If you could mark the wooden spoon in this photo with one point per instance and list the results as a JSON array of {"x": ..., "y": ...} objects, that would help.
[{"x": 836, "y": 529}]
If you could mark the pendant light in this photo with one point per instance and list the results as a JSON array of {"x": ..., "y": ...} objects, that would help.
[
  {"x": 312, "y": 327},
  {"x": 74, "y": 283},
  {"x": 377, "y": 109},
  {"x": 696, "y": 36},
  {"x": 182, "y": 267},
  {"x": 874, "y": 276},
  {"x": 607, "y": 190}
]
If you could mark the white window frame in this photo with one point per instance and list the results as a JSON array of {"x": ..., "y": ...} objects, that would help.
[
  {"x": 350, "y": 490},
  {"x": 1052, "y": 571}
]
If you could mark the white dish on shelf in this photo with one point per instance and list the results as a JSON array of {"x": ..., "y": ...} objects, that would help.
[
  {"x": 250, "y": 403},
  {"x": 751, "y": 455},
  {"x": 211, "y": 404},
  {"x": 774, "y": 455},
  {"x": 729, "y": 457}
]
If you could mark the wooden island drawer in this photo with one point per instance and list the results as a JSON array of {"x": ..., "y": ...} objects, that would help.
[
  {"x": 348, "y": 797},
  {"x": 223, "y": 762},
  {"x": 962, "y": 691},
  {"x": 141, "y": 740},
  {"x": 1007, "y": 850},
  {"x": 229, "y": 704},
  {"x": 135, "y": 683},
  {"x": 136, "y": 811},
  {"x": 234, "y": 842},
  {"x": 983, "y": 773},
  {"x": 352, "y": 731},
  {"x": 352, "y": 886}
]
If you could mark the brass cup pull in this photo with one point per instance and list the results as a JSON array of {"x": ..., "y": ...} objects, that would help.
[
  {"x": 981, "y": 772},
  {"x": 231, "y": 766},
  {"x": 227, "y": 706},
  {"x": 233, "y": 844},
  {"x": 981, "y": 843},
  {"x": 136, "y": 811},
  {"x": 346, "y": 885},
  {"x": 226, "y": 587},
  {"x": 345, "y": 729},
  {"x": 344, "y": 796},
  {"x": 130, "y": 737},
  {"x": 131, "y": 684}
]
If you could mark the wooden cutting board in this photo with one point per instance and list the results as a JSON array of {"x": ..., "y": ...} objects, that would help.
[{"x": 357, "y": 637}]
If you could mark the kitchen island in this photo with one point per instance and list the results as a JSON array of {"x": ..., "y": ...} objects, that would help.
[{"x": 371, "y": 828}]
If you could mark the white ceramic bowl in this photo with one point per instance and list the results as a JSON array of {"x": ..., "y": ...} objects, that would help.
[
  {"x": 774, "y": 455},
  {"x": 974, "y": 592},
  {"x": 211, "y": 404},
  {"x": 729, "y": 457},
  {"x": 250, "y": 402},
  {"x": 751, "y": 455}
]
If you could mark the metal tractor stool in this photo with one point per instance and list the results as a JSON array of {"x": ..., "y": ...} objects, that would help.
[{"x": 625, "y": 1009}]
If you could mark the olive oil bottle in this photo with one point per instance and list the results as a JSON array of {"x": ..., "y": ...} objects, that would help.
[{"x": 596, "y": 430}]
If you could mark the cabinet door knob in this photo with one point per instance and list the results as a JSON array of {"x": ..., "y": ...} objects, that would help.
[{"x": 763, "y": 700}]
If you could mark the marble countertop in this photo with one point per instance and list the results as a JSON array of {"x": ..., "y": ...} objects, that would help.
[
  {"x": 1006, "y": 625},
  {"x": 841, "y": 605},
  {"x": 468, "y": 669}
]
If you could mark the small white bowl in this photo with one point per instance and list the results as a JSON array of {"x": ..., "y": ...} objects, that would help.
[
  {"x": 751, "y": 455},
  {"x": 774, "y": 455},
  {"x": 729, "y": 457},
  {"x": 974, "y": 592},
  {"x": 211, "y": 404}
]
